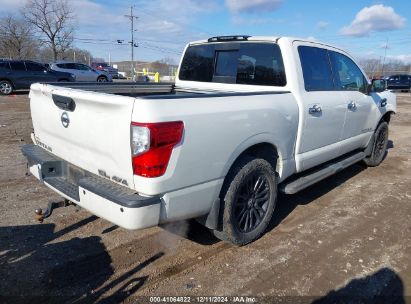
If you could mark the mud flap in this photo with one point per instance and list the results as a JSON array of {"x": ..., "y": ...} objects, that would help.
[
  {"x": 211, "y": 219},
  {"x": 370, "y": 146}
]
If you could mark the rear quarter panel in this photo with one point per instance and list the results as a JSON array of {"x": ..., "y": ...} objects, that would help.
[{"x": 216, "y": 131}]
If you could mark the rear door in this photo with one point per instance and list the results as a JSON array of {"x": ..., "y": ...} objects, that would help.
[
  {"x": 21, "y": 78},
  {"x": 5, "y": 70},
  {"x": 323, "y": 109},
  {"x": 72, "y": 69},
  {"x": 93, "y": 134}
]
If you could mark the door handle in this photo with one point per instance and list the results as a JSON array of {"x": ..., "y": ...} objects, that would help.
[
  {"x": 383, "y": 102},
  {"x": 352, "y": 106},
  {"x": 315, "y": 109}
]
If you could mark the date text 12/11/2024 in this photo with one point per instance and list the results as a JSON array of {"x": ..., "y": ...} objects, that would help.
[{"x": 203, "y": 299}]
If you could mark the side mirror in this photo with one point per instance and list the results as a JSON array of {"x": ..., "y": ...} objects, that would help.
[{"x": 377, "y": 85}]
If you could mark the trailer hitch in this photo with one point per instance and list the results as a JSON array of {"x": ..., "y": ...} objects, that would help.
[{"x": 40, "y": 216}]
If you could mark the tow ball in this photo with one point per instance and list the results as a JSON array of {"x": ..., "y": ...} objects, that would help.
[{"x": 40, "y": 216}]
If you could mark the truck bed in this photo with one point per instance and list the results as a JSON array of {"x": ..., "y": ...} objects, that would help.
[{"x": 153, "y": 90}]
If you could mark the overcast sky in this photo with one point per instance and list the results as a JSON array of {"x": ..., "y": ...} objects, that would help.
[{"x": 165, "y": 26}]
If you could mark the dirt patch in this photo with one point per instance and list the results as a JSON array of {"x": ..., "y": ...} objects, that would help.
[{"x": 348, "y": 235}]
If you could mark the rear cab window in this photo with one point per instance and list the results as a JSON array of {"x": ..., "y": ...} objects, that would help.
[{"x": 249, "y": 63}]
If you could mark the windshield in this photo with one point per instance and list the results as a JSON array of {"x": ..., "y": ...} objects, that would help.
[{"x": 242, "y": 63}]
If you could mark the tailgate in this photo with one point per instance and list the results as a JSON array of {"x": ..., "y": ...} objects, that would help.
[{"x": 88, "y": 129}]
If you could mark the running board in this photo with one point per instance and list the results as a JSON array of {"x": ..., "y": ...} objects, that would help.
[{"x": 307, "y": 180}]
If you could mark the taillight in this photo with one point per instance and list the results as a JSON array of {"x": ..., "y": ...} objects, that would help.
[{"x": 152, "y": 144}]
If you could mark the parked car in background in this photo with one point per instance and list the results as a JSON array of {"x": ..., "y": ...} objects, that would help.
[
  {"x": 399, "y": 82},
  {"x": 20, "y": 74},
  {"x": 103, "y": 66},
  {"x": 82, "y": 71}
]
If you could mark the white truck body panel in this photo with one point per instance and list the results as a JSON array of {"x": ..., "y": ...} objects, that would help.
[
  {"x": 98, "y": 137},
  {"x": 221, "y": 121}
]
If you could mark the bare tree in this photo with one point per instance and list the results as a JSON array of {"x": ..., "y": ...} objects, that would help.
[
  {"x": 77, "y": 55},
  {"x": 16, "y": 39},
  {"x": 52, "y": 19},
  {"x": 379, "y": 67}
]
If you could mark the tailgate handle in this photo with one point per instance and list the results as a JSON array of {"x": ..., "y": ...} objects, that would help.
[{"x": 64, "y": 102}]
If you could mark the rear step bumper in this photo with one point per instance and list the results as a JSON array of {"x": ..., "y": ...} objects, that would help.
[{"x": 118, "y": 204}]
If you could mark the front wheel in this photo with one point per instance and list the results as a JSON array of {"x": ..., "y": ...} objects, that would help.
[
  {"x": 249, "y": 198},
  {"x": 102, "y": 79},
  {"x": 6, "y": 88},
  {"x": 379, "y": 145}
]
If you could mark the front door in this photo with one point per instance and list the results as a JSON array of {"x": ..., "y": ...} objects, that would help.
[
  {"x": 86, "y": 73},
  {"x": 362, "y": 109},
  {"x": 38, "y": 72}
]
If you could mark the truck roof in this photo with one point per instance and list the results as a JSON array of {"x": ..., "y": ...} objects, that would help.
[
  {"x": 238, "y": 38},
  {"x": 250, "y": 38}
]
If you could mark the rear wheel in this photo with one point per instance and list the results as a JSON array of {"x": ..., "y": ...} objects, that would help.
[
  {"x": 102, "y": 79},
  {"x": 249, "y": 198},
  {"x": 379, "y": 145},
  {"x": 6, "y": 88}
]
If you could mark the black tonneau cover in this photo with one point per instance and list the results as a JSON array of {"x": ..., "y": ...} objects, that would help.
[{"x": 154, "y": 90}]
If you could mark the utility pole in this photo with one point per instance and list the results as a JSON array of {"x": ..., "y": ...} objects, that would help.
[
  {"x": 132, "y": 17},
  {"x": 385, "y": 55}
]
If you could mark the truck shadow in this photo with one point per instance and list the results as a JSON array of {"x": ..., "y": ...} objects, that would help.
[
  {"x": 191, "y": 230},
  {"x": 287, "y": 203},
  {"x": 384, "y": 286},
  {"x": 36, "y": 267}
]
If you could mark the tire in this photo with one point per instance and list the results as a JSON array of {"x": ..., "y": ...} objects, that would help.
[
  {"x": 63, "y": 80},
  {"x": 379, "y": 145},
  {"x": 102, "y": 79},
  {"x": 248, "y": 200},
  {"x": 6, "y": 87}
]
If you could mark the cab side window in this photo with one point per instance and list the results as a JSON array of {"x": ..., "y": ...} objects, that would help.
[
  {"x": 81, "y": 67},
  {"x": 348, "y": 76},
  {"x": 316, "y": 67},
  {"x": 17, "y": 66},
  {"x": 71, "y": 66},
  {"x": 35, "y": 67},
  {"x": 4, "y": 66}
]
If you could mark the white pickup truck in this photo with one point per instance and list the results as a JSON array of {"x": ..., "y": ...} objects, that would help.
[{"x": 247, "y": 117}]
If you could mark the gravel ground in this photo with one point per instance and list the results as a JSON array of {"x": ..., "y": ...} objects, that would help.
[{"x": 349, "y": 235}]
